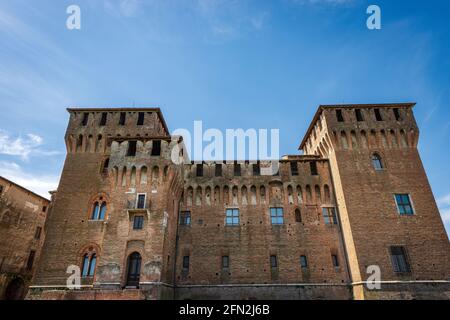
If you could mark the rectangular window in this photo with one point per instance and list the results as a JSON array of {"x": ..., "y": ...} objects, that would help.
[
  {"x": 404, "y": 205},
  {"x": 399, "y": 259},
  {"x": 30, "y": 260},
  {"x": 303, "y": 262},
  {"x": 85, "y": 119},
  {"x": 339, "y": 116},
  {"x": 329, "y": 215},
  {"x": 397, "y": 114},
  {"x": 313, "y": 168},
  {"x": 225, "y": 262},
  {"x": 185, "y": 218},
  {"x": 37, "y": 234},
  {"x": 218, "y": 170},
  {"x": 257, "y": 169},
  {"x": 335, "y": 260},
  {"x": 141, "y": 117},
  {"x": 378, "y": 115},
  {"x": 232, "y": 217},
  {"x": 1, "y": 189},
  {"x": 294, "y": 168},
  {"x": 200, "y": 170},
  {"x": 273, "y": 262},
  {"x": 104, "y": 119},
  {"x": 140, "y": 203},
  {"x": 186, "y": 262},
  {"x": 359, "y": 116},
  {"x": 132, "y": 147},
  {"x": 156, "y": 150},
  {"x": 138, "y": 222},
  {"x": 44, "y": 208},
  {"x": 276, "y": 216},
  {"x": 237, "y": 169},
  {"x": 123, "y": 118}
]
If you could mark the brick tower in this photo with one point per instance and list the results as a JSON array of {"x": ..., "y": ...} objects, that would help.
[
  {"x": 387, "y": 210},
  {"x": 115, "y": 212}
]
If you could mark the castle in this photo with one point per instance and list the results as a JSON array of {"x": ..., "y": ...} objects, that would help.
[{"x": 141, "y": 227}]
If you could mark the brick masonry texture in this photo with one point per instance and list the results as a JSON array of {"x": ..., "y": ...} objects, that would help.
[{"x": 114, "y": 161}]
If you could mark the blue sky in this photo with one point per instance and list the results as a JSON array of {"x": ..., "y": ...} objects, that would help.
[{"x": 231, "y": 64}]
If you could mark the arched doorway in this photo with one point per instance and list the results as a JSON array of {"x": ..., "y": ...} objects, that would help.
[
  {"x": 15, "y": 290},
  {"x": 133, "y": 269}
]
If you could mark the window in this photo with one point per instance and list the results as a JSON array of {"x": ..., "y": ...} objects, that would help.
[
  {"x": 237, "y": 169},
  {"x": 199, "y": 170},
  {"x": 141, "y": 117},
  {"x": 404, "y": 204},
  {"x": 339, "y": 116},
  {"x": 104, "y": 119},
  {"x": 273, "y": 262},
  {"x": 329, "y": 215},
  {"x": 298, "y": 215},
  {"x": 276, "y": 216},
  {"x": 132, "y": 147},
  {"x": 378, "y": 115},
  {"x": 85, "y": 119},
  {"x": 105, "y": 166},
  {"x": 30, "y": 260},
  {"x": 397, "y": 114},
  {"x": 377, "y": 163},
  {"x": 335, "y": 260},
  {"x": 294, "y": 168},
  {"x": 303, "y": 262},
  {"x": 359, "y": 115},
  {"x": 313, "y": 168},
  {"x": 37, "y": 234},
  {"x": 140, "y": 203},
  {"x": 218, "y": 170},
  {"x": 185, "y": 218},
  {"x": 156, "y": 150},
  {"x": 89, "y": 264},
  {"x": 1, "y": 190},
  {"x": 225, "y": 262},
  {"x": 399, "y": 259},
  {"x": 134, "y": 269},
  {"x": 232, "y": 217},
  {"x": 44, "y": 208},
  {"x": 99, "y": 210},
  {"x": 186, "y": 262},
  {"x": 257, "y": 169},
  {"x": 138, "y": 222},
  {"x": 123, "y": 118}
]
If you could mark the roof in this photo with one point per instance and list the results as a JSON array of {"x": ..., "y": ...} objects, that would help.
[
  {"x": 355, "y": 106},
  {"x": 157, "y": 110},
  {"x": 25, "y": 189}
]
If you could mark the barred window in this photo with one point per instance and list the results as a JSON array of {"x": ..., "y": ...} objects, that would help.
[{"x": 399, "y": 259}]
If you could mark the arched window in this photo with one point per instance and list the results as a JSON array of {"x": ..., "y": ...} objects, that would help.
[
  {"x": 377, "y": 162},
  {"x": 99, "y": 209},
  {"x": 89, "y": 264}
]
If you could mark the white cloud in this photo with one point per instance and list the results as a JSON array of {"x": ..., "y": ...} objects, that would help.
[
  {"x": 22, "y": 147},
  {"x": 40, "y": 184}
]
